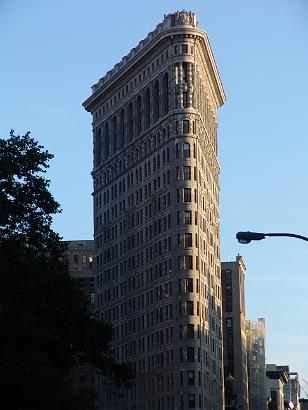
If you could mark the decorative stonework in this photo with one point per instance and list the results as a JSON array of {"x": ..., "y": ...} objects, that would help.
[
  {"x": 157, "y": 228},
  {"x": 184, "y": 18}
]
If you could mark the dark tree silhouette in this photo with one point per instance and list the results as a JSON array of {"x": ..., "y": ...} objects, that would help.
[{"x": 46, "y": 327}]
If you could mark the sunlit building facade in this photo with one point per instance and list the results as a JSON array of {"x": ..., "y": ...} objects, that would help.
[{"x": 156, "y": 218}]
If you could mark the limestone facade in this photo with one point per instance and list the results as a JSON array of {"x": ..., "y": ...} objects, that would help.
[{"x": 156, "y": 218}]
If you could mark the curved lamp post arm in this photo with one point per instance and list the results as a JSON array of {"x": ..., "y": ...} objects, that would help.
[
  {"x": 291, "y": 235},
  {"x": 247, "y": 237}
]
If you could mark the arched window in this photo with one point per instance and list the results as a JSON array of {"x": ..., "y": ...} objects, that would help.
[
  {"x": 130, "y": 122},
  {"x": 114, "y": 134},
  {"x": 166, "y": 93},
  {"x": 106, "y": 140},
  {"x": 138, "y": 115},
  {"x": 121, "y": 129},
  {"x": 147, "y": 108},
  {"x": 156, "y": 100},
  {"x": 98, "y": 146}
]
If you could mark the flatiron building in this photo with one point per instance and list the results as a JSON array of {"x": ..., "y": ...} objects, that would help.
[{"x": 156, "y": 218}]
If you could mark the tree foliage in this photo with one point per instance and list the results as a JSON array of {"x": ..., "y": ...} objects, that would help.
[{"x": 45, "y": 321}]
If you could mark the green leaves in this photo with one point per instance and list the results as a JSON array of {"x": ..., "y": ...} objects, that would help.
[
  {"x": 26, "y": 205},
  {"x": 47, "y": 327}
]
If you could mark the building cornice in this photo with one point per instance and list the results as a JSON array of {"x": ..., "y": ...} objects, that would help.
[{"x": 138, "y": 55}]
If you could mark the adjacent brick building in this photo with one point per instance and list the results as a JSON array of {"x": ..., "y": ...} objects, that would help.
[{"x": 234, "y": 331}]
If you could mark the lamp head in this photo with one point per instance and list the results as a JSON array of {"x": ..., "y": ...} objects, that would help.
[{"x": 247, "y": 237}]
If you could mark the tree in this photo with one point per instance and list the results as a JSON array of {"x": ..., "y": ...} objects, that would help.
[{"x": 44, "y": 318}]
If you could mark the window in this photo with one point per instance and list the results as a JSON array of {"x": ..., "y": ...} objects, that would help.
[
  {"x": 188, "y": 285},
  {"x": 184, "y": 72},
  {"x": 75, "y": 258},
  {"x": 181, "y": 378},
  {"x": 187, "y": 217},
  {"x": 194, "y": 129},
  {"x": 156, "y": 100},
  {"x": 190, "y": 331},
  {"x": 138, "y": 115},
  {"x": 114, "y": 134},
  {"x": 121, "y": 129},
  {"x": 190, "y": 354},
  {"x": 187, "y": 240},
  {"x": 189, "y": 308},
  {"x": 166, "y": 93},
  {"x": 185, "y": 99},
  {"x": 229, "y": 323},
  {"x": 188, "y": 262},
  {"x": 147, "y": 110},
  {"x": 177, "y": 151},
  {"x": 130, "y": 124},
  {"x": 187, "y": 195},
  {"x": 184, "y": 48},
  {"x": 182, "y": 401},
  {"x": 185, "y": 262},
  {"x": 186, "y": 173},
  {"x": 106, "y": 140},
  {"x": 191, "y": 401},
  {"x": 82, "y": 376},
  {"x": 186, "y": 150},
  {"x": 190, "y": 378},
  {"x": 185, "y": 126}
]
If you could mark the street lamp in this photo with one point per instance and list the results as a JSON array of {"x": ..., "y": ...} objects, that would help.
[{"x": 247, "y": 237}]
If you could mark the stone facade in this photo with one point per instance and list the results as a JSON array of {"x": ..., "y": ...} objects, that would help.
[{"x": 156, "y": 217}]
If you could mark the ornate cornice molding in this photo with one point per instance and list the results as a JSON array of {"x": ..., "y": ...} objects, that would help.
[{"x": 164, "y": 32}]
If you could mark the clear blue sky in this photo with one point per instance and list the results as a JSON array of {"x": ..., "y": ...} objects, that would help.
[{"x": 52, "y": 51}]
